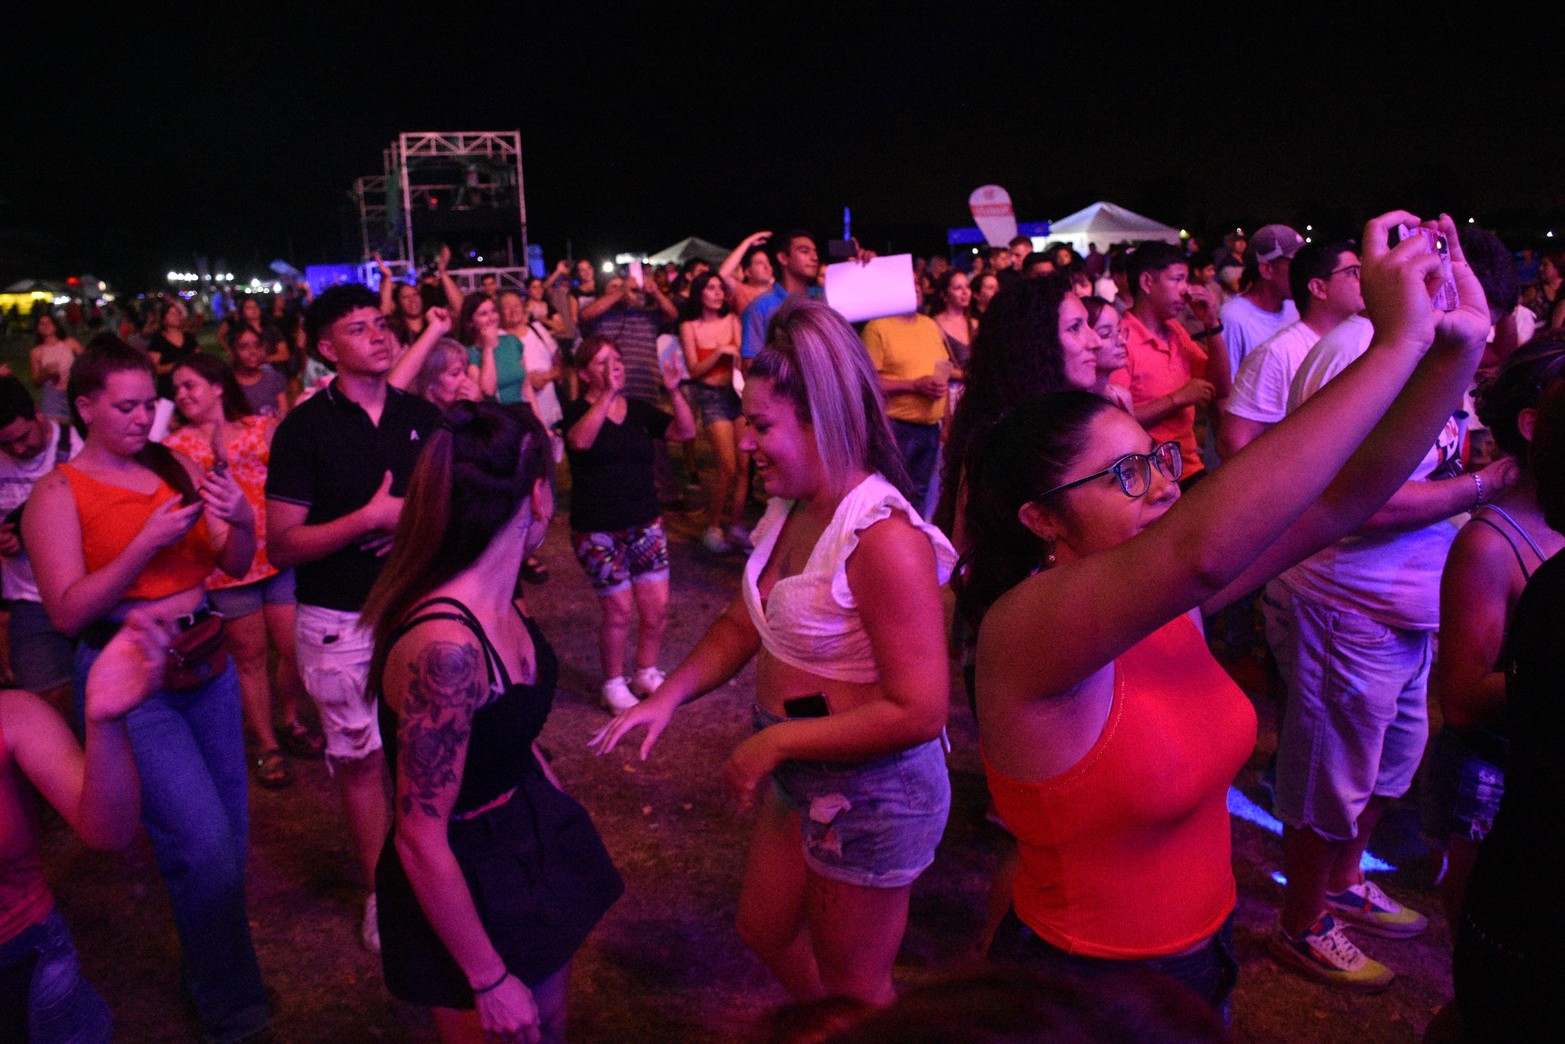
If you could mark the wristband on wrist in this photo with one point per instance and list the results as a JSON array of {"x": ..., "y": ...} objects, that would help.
[
  {"x": 1209, "y": 331},
  {"x": 1478, "y": 491},
  {"x": 506, "y": 974}
]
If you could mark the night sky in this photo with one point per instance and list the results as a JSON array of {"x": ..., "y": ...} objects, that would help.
[{"x": 138, "y": 141}]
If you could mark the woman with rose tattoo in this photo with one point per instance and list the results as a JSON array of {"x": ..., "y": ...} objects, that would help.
[{"x": 492, "y": 877}]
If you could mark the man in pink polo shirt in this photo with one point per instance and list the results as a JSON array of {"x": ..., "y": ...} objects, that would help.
[{"x": 1168, "y": 371}]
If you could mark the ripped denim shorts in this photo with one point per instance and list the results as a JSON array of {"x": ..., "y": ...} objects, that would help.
[{"x": 869, "y": 823}]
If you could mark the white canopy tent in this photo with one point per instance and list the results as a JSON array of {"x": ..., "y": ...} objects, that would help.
[
  {"x": 1105, "y": 223},
  {"x": 685, "y": 249}
]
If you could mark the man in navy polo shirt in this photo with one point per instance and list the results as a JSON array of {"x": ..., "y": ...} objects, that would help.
[{"x": 340, "y": 462}]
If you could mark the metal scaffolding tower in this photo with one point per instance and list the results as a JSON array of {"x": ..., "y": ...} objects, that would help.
[{"x": 462, "y": 188}]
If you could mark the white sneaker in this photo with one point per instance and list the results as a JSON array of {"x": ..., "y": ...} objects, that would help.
[
  {"x": 739, "y": 537},
  {"x": 369, "y": 933},
  {"x": 646, "y": 681},
  {"x": 713, "y": 541},
  {"x": 617, "y": 695}
]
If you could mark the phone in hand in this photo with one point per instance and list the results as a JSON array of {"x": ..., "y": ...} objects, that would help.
[
  {"x": 636, "y": 275},
  {"x": 1445, "y": 297},
  {"x": 811, "y": 706}
]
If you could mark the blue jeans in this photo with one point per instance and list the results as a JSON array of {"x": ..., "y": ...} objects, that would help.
[
  {"x": 58, "y": 1005},
  {"x": 920, "y": 446},
  {"x": 190, "y": 753}
]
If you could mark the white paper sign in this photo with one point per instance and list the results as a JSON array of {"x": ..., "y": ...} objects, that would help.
[
  {"x": 882, "y": 287},
  {"x": 993, "y": 214}
]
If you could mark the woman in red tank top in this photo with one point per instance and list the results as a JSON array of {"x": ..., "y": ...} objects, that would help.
[
  {"x": 129, "y": 525},
  {"x": 1109, "y": 734}
]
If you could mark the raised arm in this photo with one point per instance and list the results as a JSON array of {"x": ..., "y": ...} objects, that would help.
[
  {"x": 1273, "y": 503},
  {"x": 96, "y": 791},
  {"x": 437, "y": 676},
  {"x": 437, "y": 323},
  {"x": 728, "y": 271}
]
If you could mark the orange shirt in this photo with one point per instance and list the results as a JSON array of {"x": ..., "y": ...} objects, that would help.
[
  {"x": 111, "y": 516},
  {"x": 1157, "y": 366},
  {"x": 1127, "y": 855},
  {"x": 248, "y": 454}
]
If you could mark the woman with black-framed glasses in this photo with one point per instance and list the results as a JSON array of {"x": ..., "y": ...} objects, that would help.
[{"x": 1110, "y": 735}]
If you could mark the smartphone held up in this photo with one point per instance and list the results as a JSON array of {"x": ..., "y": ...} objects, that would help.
[{"x": 1445, "y": 297}]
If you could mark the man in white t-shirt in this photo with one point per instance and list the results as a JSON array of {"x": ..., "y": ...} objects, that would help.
[
  {"x": 1351, "y": 628},
  {"x": 31, "y": 446},
  {"x": 1264, "y": 306},
  {"x": 1325, "y": 284}
]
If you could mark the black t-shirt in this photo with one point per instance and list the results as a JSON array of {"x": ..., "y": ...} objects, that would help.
[
  {"x": 170, "y": 354},
  {"x": 1514, "y": 894},
  {"x": 327, "y": 456},
  {"x": 611, "y": 481}
]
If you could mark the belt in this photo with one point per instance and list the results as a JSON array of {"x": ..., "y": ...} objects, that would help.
[{"x": 96, "y": 636}]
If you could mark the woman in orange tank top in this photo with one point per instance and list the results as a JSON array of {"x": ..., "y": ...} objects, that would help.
[
  {"x": 1110, "y": 735},
  {"x": 130, "y": 525}
]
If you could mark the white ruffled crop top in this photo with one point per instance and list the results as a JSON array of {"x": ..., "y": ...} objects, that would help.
[{"x": 810, "y": 620}]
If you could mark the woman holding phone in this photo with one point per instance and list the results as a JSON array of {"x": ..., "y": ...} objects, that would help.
[{"x": 128, "y": 524}]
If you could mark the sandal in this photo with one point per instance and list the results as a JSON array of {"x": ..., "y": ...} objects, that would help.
[
  {"x": 301, "y": 741},
  {"x": 271, "y": 770}
]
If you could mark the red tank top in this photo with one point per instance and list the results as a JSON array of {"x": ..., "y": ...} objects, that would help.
[
  {"x": 1127, "y": 854},
  {"x": 111, "y": 516},
  {"x": 24, "y": 895}
]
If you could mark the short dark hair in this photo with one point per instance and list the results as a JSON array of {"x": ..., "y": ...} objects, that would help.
[
  {"x": 1315, "y": 260},
  {"x": 779, "y": 244},
  {"x": 15, "y": 402},
  {"x": 749, "y": 255},
  {"x": 1494, "y": 268},
  {"x": 332, "y": 304},
  {"x": 1020, "y": 240},
  {"x": 1152, "y": 257}
]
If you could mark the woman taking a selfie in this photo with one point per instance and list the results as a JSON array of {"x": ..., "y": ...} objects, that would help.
[{"x": 1110, "y": 735}]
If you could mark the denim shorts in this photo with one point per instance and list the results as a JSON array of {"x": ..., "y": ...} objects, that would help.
[
  {"x": 43, "y": 997},
  {"x": 235, "y": 603},
  {"x": 870, "y": 823},
  {"x": 41, "y": 657},
  {"x": 1357, "y": 719},
  {"x": 334, "y": 664},
  {"x": 614, "y": 561},
  {"x": 715, "y": 402}
]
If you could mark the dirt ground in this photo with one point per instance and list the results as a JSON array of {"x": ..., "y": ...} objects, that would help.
[{"x": 666, "y": 964}]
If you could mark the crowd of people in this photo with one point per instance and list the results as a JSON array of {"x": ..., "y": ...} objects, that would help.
[{"x": 322, "y": 535}]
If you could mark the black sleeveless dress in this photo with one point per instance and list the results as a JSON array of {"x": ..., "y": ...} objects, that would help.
[{"x": 537, "y": 870}]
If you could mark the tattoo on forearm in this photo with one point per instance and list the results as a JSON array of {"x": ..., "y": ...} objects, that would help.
[{"x": 445, "y": 685}]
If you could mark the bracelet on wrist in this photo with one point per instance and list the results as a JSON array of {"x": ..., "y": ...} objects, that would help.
[
  {"x": 1478, "y": 500},
  {"x": 1209, "y": 331},
  {"x": 505, "y": 974}
]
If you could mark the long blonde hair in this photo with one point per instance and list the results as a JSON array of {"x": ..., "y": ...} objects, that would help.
[{"x": 815, "y": 360}]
